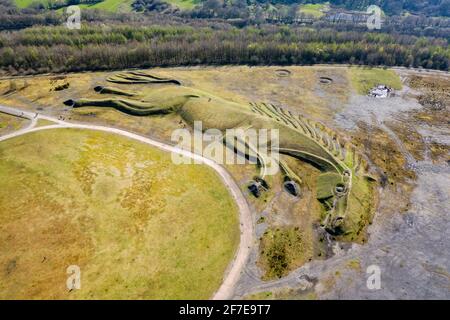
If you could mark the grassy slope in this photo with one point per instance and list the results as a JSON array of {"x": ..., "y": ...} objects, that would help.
[
  {"x": 10, "y": 123},
  {"x": 113, "y": 5},
  {"x": 138, "y": 226},
  {"x": 183, "y": 4},
  {"x": 363, "y": 79},
  {"x": 361, "y": 204},
  {"x": 107, "y": 5},
  {"x": 315, "y": 10},
  {"x": 27, "y": 3}
]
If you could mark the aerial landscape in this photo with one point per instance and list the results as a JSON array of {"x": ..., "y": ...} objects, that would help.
[{"x": 224, "y": 149}]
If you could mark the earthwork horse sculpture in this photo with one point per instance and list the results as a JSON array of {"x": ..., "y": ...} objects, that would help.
[{"x": 299, "y": 137}]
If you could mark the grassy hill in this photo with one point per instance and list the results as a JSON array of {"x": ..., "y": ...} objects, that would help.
[
  {"x": 183, "y": 4},
  {"x": 27, "y": 3},
  {"x": 316, "y": 10},
  {"x": 110, "y": 5},
  {"x": 437, "y": 8},
  {"x": 138, "y": 226}
]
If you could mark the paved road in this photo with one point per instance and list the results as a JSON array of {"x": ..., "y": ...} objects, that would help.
[{"x": 233, "y": 273}]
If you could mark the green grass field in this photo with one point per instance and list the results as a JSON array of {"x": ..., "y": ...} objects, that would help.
[
  {"x": 183, "y": 4},
  {"x": 316, "y": 10},
  {"x": 138, "y": 226},
  {"x": 27, "y": 3},
  {"x": 364, "y": 79},
  {"x": 112, "y": 5},
  {"x": 107, "y": 5}
]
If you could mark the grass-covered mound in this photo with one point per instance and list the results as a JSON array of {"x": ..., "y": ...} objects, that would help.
[
  {"x": 364, "y": 79},
  {"x": 138, "y": 226},
  {"x": 107, "y": 5}
]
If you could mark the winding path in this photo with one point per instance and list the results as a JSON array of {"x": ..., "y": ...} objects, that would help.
[{"x": 233, "y": 273}]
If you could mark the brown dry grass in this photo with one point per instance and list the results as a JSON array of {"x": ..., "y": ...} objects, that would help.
[{"x": 10, "y": 123}]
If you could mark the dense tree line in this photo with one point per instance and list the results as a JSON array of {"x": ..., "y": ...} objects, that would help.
[
  {"x": 215, "y": 13},
  {"x": 45, "y": 49},
  {"x": 171, "y": 38},
  {"x": 152, "y": 5},
  {"x": 410, "y": 25},
  {"x": 13, "y": 18}
]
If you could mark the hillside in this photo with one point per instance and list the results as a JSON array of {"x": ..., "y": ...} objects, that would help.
[{"x": 434, "y": 8}]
